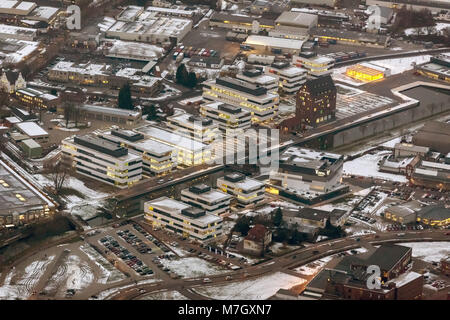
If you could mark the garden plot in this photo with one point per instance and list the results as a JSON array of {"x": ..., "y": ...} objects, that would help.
[
  {"x": 72, "y": 273},
  {"x": 109, "y": 273},
  {"x": 165, "y": 295},
  {"x": 192, "y": 267},
  {"x": 429, "y": 251},
  {"x": 258, "y": 289},
  {"x": 23, "y": 288}
]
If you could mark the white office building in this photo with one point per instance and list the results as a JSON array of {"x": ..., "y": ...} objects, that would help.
[
  {"x": 188, "y": 151},
  {"x": 194, "y": 127},
  {"x": 261, "y": 103},
  {"x": 316, "y": 65},
  {"x": 102, "y": 160},
  {"x": 182, "y": 218},
  {"x": 258, "y": 78},
  {"x": 229, "y": 118},
  {"x": 245, "y": 190},
  {"x": 211, "y": 200},
  {"x": 157, "y": 158},
  {"x": 290, "y": 78}
]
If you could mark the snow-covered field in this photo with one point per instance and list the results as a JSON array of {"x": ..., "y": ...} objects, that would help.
[
  {"x": 165, "y": 295},
  {"x": 438, "y": 29},
  {"x": 366, "y": 166},
  {"x": 71, "y": 274},
  {"x": 258, "y": 289},
  {"x": 104, "y": 294},
  {"x": 23, "y": 288},
  {"x": 429, "y": 251},
  {"x": 192, "y": 267}
]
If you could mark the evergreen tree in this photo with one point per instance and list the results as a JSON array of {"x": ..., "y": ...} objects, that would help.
[
  {"x": 192, "y": 80},
  {"x": 182, "y": 74},
  {"x": 151, "y": 112},
  {"x": 125, "y": 101},
  {"x": 277, "y": 218}
]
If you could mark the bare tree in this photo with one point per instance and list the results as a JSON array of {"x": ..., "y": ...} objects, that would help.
[
  {"x": 69, "y": 109},
  {"x": 58, "y": 173}
]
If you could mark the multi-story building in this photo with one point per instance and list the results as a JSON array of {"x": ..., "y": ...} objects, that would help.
[
  {"x": 118, "y": 116},
  {"x": 22, "y": 202},
  {"x": 37, "y": 99},
  {"x": 316, "y": 102},
  {"x": 291, "y": 78},
  {"x": 315, "y": 65},
  {"x": 229, "y": 118},
  {"x": 308, "y": 175},
  {"x": 429, "y": 174},
  {"x": 245, "y": 190},
  {"x": 188, "y": 151},
  {"x": 257, "y": 240},
  {"x": 211, "y": 200},
  {"x": 102, "y": 160},
  {"x": 104, "y": 75},
  {"x": 157, "y": 158},
  {"x": 261, "y": 103},
  {"x": 182, "y": 218},
  {"x": 258, "y": 78},
  {"x": 194, "y": 127}
]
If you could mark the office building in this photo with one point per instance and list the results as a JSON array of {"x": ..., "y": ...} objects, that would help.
[
  {"x": 261, "y": 103},
  {"x": 290, "y": 78},
  {"x": 294, "y": 25},
  {"x": 316, "y": 65},
  {"x": 229, "y": 118},
  {"x": 258, "y": 78},
  {"x": 157, "y": 158},
  {"x": 188, "y": 151},
  {"x": 211, "y": 200},
  {"x": 182, "y": 218},
  {"x": 193, "y": 127},
  {"x": 102, "y": 160},
  {"x": 245, "y": 190}
]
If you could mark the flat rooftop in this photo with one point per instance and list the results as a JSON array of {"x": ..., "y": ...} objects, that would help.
[
  {"x": 17, "y": 195},
  {"x": 172, "y": 138},
  {"x": 31, "y": 129},
  {"x": 274, "y": 42}
]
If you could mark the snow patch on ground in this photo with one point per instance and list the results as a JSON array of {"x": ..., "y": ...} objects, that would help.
[
  {"x": 429, "y": 251},
  {"x": 258, "y": 289},
  {"x": 192, "y": 267},
  {"x": 165, "y": 295}
]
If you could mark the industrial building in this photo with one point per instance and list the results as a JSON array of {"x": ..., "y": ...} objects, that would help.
[
  {"x": 265, "y": 44},
  {"x": 241, "y": 23},
  {"x": 193, "y": 127},
  {"x": 438, "y": 68},
  {"x": 434, "y": 215},
  {"x": 22, "y": 202},
  {"x": 213, "y": 201},
  {"x": 157, "y": 158},
  {"x": 307, "y": 175},
  {"x": 188, "y": 151},
  {"x": 102, "y": 160},
  {"x": 346, "y": 277},
  {"x": 245, "y": 190},
  {"x": 31, "y": 149},
  {"x": 261, "y": 103},
  {"x": 328, "y": 3},
  {"x": 33, "y": 131},
  {"x": 229, "y": 118},
  {"x": 290, "y": 78},
  {"x": 294, "y": 25},
  {"x": 182, "y": 218},
  {"x": 17, "y": 33},
  {"x": 403, "y": 213},
  {"x": 434, "y": 135},
  {"x": 432, "y": 5},
  {"x": 315, "y": 65},
  {"x": 429, "y": 174}
]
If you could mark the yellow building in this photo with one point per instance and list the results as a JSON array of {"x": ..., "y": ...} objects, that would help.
[{"x": 364, "y": 73}]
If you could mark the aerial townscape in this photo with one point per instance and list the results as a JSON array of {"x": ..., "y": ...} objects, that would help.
[{"x": 225, "y": 150}]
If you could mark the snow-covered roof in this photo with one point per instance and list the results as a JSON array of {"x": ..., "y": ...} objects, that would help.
[
  {"x": 274, "y": 42},
  {"x": 31, "y": 129}
]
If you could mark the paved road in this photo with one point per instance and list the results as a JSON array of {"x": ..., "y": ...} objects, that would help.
[{"x": 286, "y": 262}]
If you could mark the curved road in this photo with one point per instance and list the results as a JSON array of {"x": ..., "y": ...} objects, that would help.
[{"x": 282, "y": 263}]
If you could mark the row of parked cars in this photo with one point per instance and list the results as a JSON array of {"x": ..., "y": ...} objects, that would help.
[
  {"x": 121, "y": 252},
  {"x": 396, "y": 227},
  {"x": 149, "y": 237},
  {"x": 364, "y": 218},
  {"x": 132, "y": 239},
  {"x": 157, "y": 261}
]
